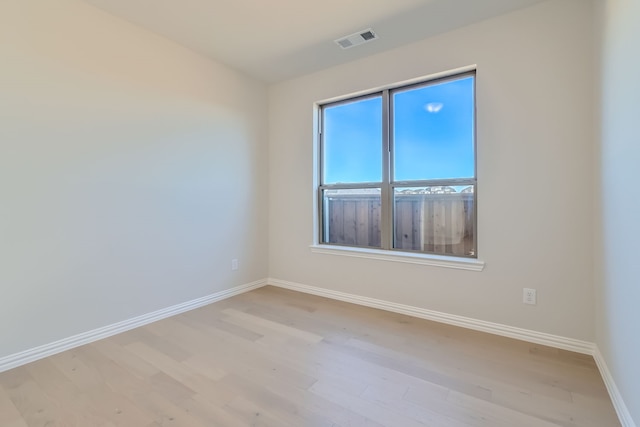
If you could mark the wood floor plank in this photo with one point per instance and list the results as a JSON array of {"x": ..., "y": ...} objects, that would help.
[
  {"x": 60, "y": 390},
  {"x": 424, "y": 414},
  {"x": 9, "y": 414},
  {"x": 36, "y": 409},
  {"x": 273, "y": 357},
  {"x": 261, "y": 324},
  {"x": 492, "y": 414}
]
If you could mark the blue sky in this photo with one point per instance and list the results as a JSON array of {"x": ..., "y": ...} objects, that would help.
[{"x": 432, "y": 134}]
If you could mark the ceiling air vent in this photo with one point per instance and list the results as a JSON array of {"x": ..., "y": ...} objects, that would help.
[{"x": 355, "y": 39}]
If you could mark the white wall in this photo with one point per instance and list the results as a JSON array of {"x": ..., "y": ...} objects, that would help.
[
  {"x": 131, "y": 172},
  {"x": 618, "y": 285},
  {"x": 535, "y": 135}
]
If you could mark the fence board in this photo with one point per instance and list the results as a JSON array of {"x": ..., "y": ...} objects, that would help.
[
  {"x": 375, "y": 217},
  {"x": 350, "y": 222},
  {"x": 336, "y": 221},
  {"x": 362, "y": 223}
]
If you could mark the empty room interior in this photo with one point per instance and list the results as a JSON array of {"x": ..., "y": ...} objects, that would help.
[{"x": 222, "y": 214}]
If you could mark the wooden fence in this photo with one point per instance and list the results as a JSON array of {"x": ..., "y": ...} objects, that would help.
[{"x": 435, "y": 223}]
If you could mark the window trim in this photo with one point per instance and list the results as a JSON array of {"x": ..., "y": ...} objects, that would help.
[
  {"x": 420, "y": 258},
  {"x": 387, "y": 185}
]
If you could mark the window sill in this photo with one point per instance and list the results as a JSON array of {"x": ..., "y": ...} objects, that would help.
[{"x": 406, "y": 257}]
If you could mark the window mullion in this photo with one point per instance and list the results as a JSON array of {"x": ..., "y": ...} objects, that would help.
[{"x": 386, "y": 193}]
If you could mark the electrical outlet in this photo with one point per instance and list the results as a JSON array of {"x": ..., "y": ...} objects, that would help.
[
  {"x": 529, "y": 296},
  {"x": 234, "y": 264}
]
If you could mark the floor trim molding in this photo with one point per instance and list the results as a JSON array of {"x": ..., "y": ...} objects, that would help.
[
  {"x": 40, "y": 352},
  {"x": 542, "y": 338},
  {"x": 616, "y": 398}
]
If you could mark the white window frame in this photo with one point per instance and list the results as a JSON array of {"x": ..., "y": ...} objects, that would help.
[{"x": 393, "y": 255}]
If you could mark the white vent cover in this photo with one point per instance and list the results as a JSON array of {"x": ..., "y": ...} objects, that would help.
[{"x": 355, "y": 39}]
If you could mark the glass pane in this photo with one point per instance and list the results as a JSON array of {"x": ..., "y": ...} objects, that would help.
[
  {"x": 433, "y": 131},
  {"x": 351, "y": 217},
  {"x": 437, "y": 220},
  {"x": 352, "y": 142}
]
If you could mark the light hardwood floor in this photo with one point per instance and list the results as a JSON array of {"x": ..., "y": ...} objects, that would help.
[{"x": 273, "y": 357}]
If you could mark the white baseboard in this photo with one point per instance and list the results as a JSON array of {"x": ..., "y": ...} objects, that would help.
[
  {"x": 616, "y": 398},
  {"x": 40, "y": 352},
  {"x": 450, "y": 319}
]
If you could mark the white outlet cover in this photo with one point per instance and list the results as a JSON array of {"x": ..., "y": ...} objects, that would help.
[{"x": 529, "y": 296}]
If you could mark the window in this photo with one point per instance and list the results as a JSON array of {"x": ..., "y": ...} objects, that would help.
[{"x": 397, "y": 169}]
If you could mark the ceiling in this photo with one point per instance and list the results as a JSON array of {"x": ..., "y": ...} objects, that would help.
[{"x": 274, "y": 40}]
